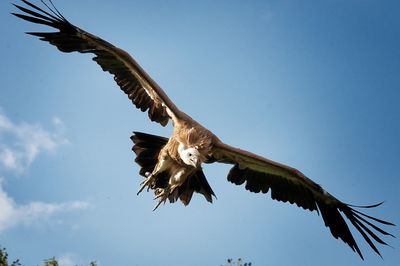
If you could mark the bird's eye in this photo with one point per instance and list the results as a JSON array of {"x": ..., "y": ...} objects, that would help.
[{"x": 189, "y": 154}]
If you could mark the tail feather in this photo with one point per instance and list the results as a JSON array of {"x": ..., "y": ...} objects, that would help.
[{"x": 195, "y": 183}]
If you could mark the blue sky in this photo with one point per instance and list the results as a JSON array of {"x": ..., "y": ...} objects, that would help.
[{"x": 312, "y": 84}]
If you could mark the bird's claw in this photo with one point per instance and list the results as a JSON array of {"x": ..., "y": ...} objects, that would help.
[
  {"x": 147, "y": 182},
  {"x": 161, "y": 194}
]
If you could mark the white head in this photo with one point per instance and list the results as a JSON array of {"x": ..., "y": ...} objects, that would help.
[{"x": 189, "y": 156}]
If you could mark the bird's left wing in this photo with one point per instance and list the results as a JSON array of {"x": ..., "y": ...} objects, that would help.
[
  {"x": 290, "y": 185},
  {"x": 144, "y": 92}
]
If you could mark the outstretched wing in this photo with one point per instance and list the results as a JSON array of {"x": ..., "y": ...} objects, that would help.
[
  {"x": 144, "y": 92},
  {"x": 290, "y": 185}
]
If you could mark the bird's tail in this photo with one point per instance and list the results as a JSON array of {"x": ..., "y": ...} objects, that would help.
[{"x": 147, "y": 147}]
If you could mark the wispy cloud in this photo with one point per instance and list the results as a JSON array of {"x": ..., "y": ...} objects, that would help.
[
  {"x": 13, "y": 214},
  {"x": 69, "y": 259},
  {"x": 21, "y": 143}
]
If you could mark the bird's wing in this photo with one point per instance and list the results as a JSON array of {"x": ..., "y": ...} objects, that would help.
[
  {"x": 290, "y": 185},
  {"x": 144, "y": 92}
]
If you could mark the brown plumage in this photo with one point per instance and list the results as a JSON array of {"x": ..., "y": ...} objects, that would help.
[
  {"x": 172, "y": 167},
  {"x": 147, "y": 148}
]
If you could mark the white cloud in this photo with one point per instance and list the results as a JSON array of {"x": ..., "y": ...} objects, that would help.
[
  {"x": 13, "y": 214},
  {"x": 21, "y": 143},
  {"x": 58, "y": 122},
  {"x": 69, "y": 259},
  {"x": 4, "y": 123},
  {"x": 7, "y": 157}
]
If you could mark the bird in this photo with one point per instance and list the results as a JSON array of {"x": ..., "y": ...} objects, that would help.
[{"x": 172, "y": 167}]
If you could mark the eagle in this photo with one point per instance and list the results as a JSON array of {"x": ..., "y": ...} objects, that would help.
[{"x": 172, "y": 167}]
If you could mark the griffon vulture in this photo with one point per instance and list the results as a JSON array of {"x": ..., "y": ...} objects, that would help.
[{"x": 171, "y": 167}]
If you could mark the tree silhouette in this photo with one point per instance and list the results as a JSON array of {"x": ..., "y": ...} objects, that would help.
[
  {"x": 238, "y": 262},
  {"x": 4, "y": 258},
  {"x": 49, "y": 262},
  {"x": 53, "y": 261}
]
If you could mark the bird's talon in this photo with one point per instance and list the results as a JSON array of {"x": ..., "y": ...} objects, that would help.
[
  {"x": 146, "y": 182},
  {"x": 162, "y": 195}
]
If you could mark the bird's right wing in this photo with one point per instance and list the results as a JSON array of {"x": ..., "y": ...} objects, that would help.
[
  {"x": 141, "y": 89},
  {"x": 287, "y": 184}
]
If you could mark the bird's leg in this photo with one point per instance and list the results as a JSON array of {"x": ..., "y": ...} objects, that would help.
[
  {"x": 174, "y": 182},
  {"x": 162, "y": 165}
]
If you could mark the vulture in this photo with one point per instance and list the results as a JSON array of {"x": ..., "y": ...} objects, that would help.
[{"x": 172, "y": 167}]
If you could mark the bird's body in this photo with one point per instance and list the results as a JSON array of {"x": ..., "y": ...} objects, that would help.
[
  {"x": 173, "y": 167},
  {"x": 180, "y": 158}
]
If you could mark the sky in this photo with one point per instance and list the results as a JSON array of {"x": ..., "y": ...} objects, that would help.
[{"x": 311, "y": 84}]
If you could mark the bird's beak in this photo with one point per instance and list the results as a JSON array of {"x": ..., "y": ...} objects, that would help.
[{"x": 195, "y": 162}]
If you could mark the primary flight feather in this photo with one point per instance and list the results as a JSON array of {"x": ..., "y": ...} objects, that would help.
[{"x": 172, "y": 166}]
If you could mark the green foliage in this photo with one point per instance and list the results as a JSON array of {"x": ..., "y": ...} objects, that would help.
[
  {"x": 51, "y": 262},
  {"x": 238, "y": 262},
  {"x": 4, "y": 258}
]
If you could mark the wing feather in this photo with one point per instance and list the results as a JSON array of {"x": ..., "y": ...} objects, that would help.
[
  {"x": 141, "y": 89},
  {"x": 287, "y": 184}
]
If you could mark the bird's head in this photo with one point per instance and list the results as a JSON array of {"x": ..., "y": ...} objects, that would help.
[{"x": 190, "y": 156}]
